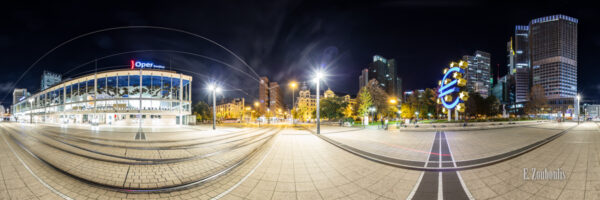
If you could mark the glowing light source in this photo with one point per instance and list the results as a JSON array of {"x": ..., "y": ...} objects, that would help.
[{"x": 319, "y": 75}]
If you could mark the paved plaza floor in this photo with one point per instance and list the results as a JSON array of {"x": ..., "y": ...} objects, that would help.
[{"x": 540, "y": 161}]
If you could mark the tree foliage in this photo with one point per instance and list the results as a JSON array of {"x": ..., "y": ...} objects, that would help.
[
  {"x": 332, "y": 107},
  {"x": 202, "y": 111},
  {"x": 365, "y": 101},
  {"x": 537, "y": 100},
  {"x": 479, "y": 106}
]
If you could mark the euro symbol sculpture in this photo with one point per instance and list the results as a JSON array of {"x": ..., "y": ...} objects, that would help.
[{"x": 451, "y": 85}]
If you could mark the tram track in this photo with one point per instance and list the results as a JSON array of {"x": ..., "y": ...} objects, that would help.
[
  {"x": 185, "y": 185},
  {"x": 210, "y": 139},
  {"x": 176, "y": 147},
  {"x": 142, "y": 161}
]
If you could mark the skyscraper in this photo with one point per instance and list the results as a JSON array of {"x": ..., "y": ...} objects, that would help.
[
  {"x": 385, "y": 72},
  {"x": 553, "y": 51},
  {"x": 49, "y": 79},
  {"x": 478, "y": 73},
  {"x": 363, "y": 79},
  {"x": 521, "y": 70},
  {"x": 275, "y": 98},
  {"x": 263, "y": 94}
]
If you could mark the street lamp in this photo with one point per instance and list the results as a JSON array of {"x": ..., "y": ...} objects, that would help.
[
  {"x": 577, "y": 107},
  {"x": 319, "y": 75},
  {"x": 214, "y": 89},
  {"x": 293, "y": 86},
  {"x": 30, "y": 110},
  {"x": 416, "y": 117},
  {"x": 372, "y": 109}
]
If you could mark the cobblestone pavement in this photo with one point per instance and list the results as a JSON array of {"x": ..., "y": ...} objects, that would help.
[
  {"x": 295, "y": 164},
  {"x": 470, "y": 145},
  {"x": 466, "y": 145},
  {"x": 404, "y": 145}
]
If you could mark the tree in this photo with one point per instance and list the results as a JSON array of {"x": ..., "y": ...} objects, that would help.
[
  {"x": 492, "y": 105},
  {"x": 380, "y": 98},
  {"x": 475, "y": 104},
  {"x": 332, "y": 107},
  {"x": 349, "y": 111},
  {"x": 365, "y": 101},
  {"x": 537, "y": 100},
  {"x": 429, "y": 98},
  {"x": 202, "y": 111},
  {"x": 407, "y": 111}
]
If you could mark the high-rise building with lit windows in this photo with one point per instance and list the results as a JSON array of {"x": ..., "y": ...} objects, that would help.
[
  {"x": 363, "y": 79},
  {"x": 385, "y": 72},
  {"x": 553, "y": 51},
  {"x": 49, "y": 79},
  {"x": 478, "y": 73}
]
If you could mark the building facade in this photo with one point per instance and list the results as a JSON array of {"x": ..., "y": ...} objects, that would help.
[
  {"x": 263, "y": 94},
  {"x": 19, "y": 94},
  {"x": 112, "y": 97},
  {"x": 275, "y": 100},
  {"x": 385, "y": 72},
  {"x": 478, "y": 73},
  {"x": 501, "y": 90},
  {"x": 306, "y": 102},
  {"x": 363, "y": 79},
  {"x": 49, "y": 79},
  {"x": 234, "y": 109},
  {"x": 553, "y": 51},
  {"x": 270, "y": 98},
  {"x": 520, "y": 68}
]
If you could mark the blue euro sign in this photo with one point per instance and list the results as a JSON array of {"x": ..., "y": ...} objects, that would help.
[{"x": 448, "y": 89}]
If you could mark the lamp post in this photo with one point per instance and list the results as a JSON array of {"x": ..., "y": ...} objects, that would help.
[
  {"x": 256, "y": 104},
  {"x": 372, "y": 109},
  {"x": 318, "y": 79},
  {"x": 293, "y": 86},
  {"x": 416, "y": 117},
  {"x": 577, "y": 107},
  {"x": 30, "y": 110},
  {"x": 213, "y": 88}
]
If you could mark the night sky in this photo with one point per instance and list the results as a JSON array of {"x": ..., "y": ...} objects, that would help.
[{"x": 283, "y": 40}]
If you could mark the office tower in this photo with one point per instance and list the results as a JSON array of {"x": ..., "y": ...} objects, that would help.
[
  {"x": 500, "y": 90},
  {"x": 478, "y": 73},
  {"x": 385, "y": 72},
  {"x": 521, "y": 69},
  {"x": 49, "y": 79},
  {"x": 553, "y": 51},
  {"x": 363, "y": 79},
  {"x": 275, "y": 99}
]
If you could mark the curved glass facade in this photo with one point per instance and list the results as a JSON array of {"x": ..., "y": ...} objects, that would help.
[{"x": 115, "y": 92}]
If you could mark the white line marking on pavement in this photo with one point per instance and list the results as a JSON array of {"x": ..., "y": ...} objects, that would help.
[
  {"x": 245, "y": 177},
  {"x": 34, "y": 175},
  {"x": 440, "y": 185},
  {"x": 414, "y": 190},
  {"x": 462, "y": 183}
]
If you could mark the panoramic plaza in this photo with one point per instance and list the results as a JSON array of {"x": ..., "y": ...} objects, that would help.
[
  {"x": 299, "y": 99},
  {"x": 42, "y": 161}
]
